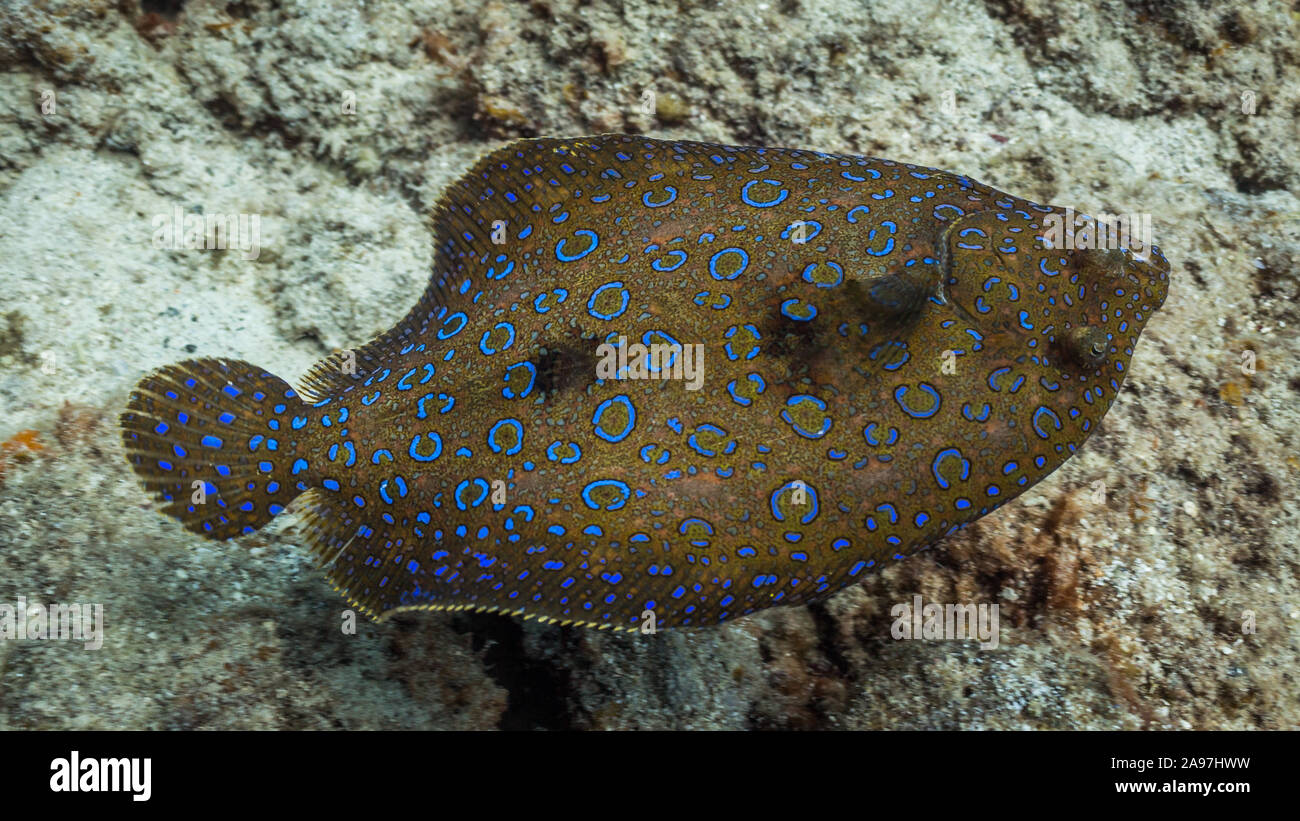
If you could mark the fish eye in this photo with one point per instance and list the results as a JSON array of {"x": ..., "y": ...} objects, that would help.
[{"x": 1087, "y": 345}]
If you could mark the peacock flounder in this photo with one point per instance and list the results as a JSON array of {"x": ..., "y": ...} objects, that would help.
[{"x": 879, "y": 353}]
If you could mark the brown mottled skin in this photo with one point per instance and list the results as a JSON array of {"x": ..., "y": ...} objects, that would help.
[{"x": 934, "y": 296}]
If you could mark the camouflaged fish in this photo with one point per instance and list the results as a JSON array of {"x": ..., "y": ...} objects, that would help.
[{"x": 882, "y": 353}]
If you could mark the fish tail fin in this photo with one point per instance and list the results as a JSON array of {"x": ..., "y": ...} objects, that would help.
[{"x": 217, "y": 441}]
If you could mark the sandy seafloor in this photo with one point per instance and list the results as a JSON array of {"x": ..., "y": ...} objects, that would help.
[{"x": 1122, "y": 612}]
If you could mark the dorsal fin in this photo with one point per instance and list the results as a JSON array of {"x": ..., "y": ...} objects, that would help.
[{"x": 461, "y": 224}]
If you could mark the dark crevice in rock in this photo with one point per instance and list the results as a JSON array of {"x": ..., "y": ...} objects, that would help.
[
  {"x": 826, "y": 628},
  {"x": 536, "y": 689}
]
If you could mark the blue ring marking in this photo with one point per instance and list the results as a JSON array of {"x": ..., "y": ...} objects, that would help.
[
  {"x": 688, "y": 523},
  {"x": 814, "y": 507},
  {"x": 743, "y": 401},
  {"x": 591, "y": 303},
  {"x": 799, "y": 399},
  {"x": 834, "y": 266},
  {"x": 945, "y": 454},
  {"x": 982, "y": 416},
  {"x": 652, "y": 364},
  {"x": 993, "y": 377},
  {"x": 693, "y": 441},
  {"x": 869, "y": 433},
  {"x": 780, "y": 198},
  {"x": 721, "y": 302},
  {"x": 510, "y": 393},
  {"x": 901, "y": 391},
  {"x": 649, "y": 203},
  {"x": 421, "y": 413},
  {"x": 647, "y": 449},
  {"x": 551, "y": 450},
  {"x": 563, "y": 257},
  {"x": 713, "y": 264},
  {"x": 855, "y": 209},
  {"x": 681, "y": 260},
  {"x": 482, "y": 343},
  {"x": 889, "y": 509},
  {"x": 789, "y": 230},
  {"x": 537, "y": 303},
  {"x": 519, "y": 436},
  {"x": 889, "y": 246},
  {"x": 414, "y": 452},
  {"x": 788, "y": 308},
  {"x": 604, "y": 406},
  {"x": 443, "y": 332},
  {"x": 624, "y": 490},
  {"x": 464, "y": 485},
  {"x": 1038, "y": 429}
]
